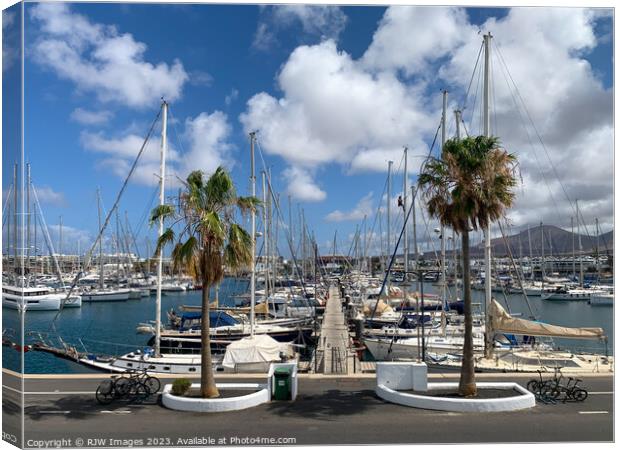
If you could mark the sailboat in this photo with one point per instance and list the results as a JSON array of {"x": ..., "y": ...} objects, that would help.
[
  {"x": 21, "y": 291},
  {"x": 104, "y": 293}
]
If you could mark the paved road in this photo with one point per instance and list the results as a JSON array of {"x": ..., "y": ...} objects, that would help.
[{"x": 327, "y": 411}]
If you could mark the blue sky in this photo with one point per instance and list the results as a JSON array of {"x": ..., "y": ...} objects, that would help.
[{"x": 229, "y": 69}]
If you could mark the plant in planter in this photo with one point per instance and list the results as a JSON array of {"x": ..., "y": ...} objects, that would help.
[{"x": 180, "y": 387}]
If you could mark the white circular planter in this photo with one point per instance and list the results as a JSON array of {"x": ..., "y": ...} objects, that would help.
[
  {"x": 523, "y": 400},
  {"x": 259, "y": 396}
]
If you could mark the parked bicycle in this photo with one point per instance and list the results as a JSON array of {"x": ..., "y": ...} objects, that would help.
[
  {"x": 571, "y": 392},
  {"x": 548, "y": 391},
  {"x": 137, "y": 385}
]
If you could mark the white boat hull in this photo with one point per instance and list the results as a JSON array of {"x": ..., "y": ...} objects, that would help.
[
  {"x": 40, "y": 303},
  {"x": 103, "y": 296}
]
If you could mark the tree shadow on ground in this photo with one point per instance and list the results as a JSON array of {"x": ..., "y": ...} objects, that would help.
[
  {"x": 327, "y": 405},
  {"x": 83, "y": 407}
]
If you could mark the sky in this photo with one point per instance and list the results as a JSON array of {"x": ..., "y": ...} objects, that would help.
[{"x": 334, "y": 93}]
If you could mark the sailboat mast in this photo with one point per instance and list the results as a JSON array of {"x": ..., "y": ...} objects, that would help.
[
  {"x": 118, "y": 252},
  {"x": 60, "y": 236},
  {"x": 488, "y": 344},
  {"x": 265, "y": 237},
  {"x": 415, "y": 239},
  {"x": 28, "y": 217},
  {"x": 457, "y": 119},
  {"x": 162, "y": 186},
  {"x": 100, "y": 241},
  {"x": 406, "y": 240},
  {"x": 8, "y": 227},
  {"x": 572, "y": 232},
  {"x": 15, "y": 209},
  {"x": 389, "y": 201},
  {"x": 529, "y": 240},
  {"x": 598, "y": 267},
  {"x": 253, "y": 218},
  {"x": 542, "y": 252},
  {"x": 580, "y": 246},
  {"x": 443, "y": 228}
]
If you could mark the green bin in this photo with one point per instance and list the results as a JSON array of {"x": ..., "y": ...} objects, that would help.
[{"x": 282, "y": 383}]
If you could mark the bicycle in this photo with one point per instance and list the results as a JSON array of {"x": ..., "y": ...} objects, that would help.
[
  {"x": 142, "y": 377},
  {"x": 108, "y": 390},
  {"x": 536, "y": 386},
  {"x": 138, "y": 386},
  {"x": 573, "y": 392}
]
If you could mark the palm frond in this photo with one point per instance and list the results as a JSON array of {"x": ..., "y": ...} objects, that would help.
[
  {"x": 219, "y": 190},
  {"x": 166, "y": 211},
  {"x": 166, "y": 238},
  {"x": 238, "y": 251},
  {"x": 248, "y": 204},
  {"x": 186, "y": 255}
]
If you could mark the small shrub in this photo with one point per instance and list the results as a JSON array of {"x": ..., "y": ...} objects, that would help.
[{"x": 180, "y": 387}]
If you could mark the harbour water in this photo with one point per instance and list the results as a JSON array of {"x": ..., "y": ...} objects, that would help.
[
  {"x": 110, "y": 328},
  {"x": 107, "y": 328}
]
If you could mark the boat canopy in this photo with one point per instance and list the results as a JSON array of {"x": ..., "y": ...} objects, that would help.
[
  {"x": 501, "y": 321},
  {"x": 192, "y": 320},
  {"x": 260, "y": 348}
]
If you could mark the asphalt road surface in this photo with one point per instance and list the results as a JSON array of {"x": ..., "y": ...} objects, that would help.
[{"x": 64, "y": 413}]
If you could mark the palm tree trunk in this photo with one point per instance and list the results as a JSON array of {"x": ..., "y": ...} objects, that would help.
[
  {"x": 467, "y": 384},
  {"x": 207, "y": 381}
]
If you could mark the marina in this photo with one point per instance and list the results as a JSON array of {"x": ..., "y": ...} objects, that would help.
[{"x": 371, "y": 227}]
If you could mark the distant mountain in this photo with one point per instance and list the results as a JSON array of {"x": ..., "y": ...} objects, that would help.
[{"x": 557, "y": 241}]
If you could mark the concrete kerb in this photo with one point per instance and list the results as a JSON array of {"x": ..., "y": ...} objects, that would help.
[
  {"x": 263, "y": 393},
  {"x": 393, "y": 377},
  {"x": 179, "y": 403},
  {"x": 524, "y": 400}
]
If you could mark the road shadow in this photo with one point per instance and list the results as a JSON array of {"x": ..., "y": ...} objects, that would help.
[
  {"x": 327, "y": 405},
  {"x": 83, "y": 407}
]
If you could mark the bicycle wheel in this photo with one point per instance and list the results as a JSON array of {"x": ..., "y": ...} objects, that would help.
[
  {"x": 103, "y": 397},
  {"x": 533, "y": 386},
  {"x": 122, "y": 386},
  {"x": 579, "y": 395},
  {"x": 152, "y": 384},
  {"x": 106, "y": 387},
  {"x": 548, "y": 390},
  {"x": 140, "y": 391}
]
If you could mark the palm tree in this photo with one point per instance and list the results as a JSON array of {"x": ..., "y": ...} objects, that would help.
[
  {"x": 209, "y": 240},
  {"x": 469, "y": 187}
]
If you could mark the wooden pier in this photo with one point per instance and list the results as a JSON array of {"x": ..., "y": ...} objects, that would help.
[{"x": 334, "y": 354}]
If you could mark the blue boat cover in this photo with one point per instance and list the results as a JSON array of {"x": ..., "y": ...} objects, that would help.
[{"x": 192, "y": 320}]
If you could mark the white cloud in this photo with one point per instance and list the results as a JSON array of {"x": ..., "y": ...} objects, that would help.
[
  {"x": 302, "y": 186},
  {"x": 10, "y": 40},
  {"x": 87, "y": 117},
  {"x": 316, "y": 21},
  {"x": 264, "y": 38},
  {"x": 208, "y": 137},
  {"x": 234, "y": 94},
  {"x": 101, "y": 60},
  {"x": 46, "y": 194},
  {"x": 332, "y": 110},
  {"x": 319, "y": 20},
  {"x": 200, "y": 78},
  {"x": 70, "y": 238},
  {"x": 411, "y": 38},
  {"x": 364, "y": 208},
  {"x": 206, "y": 147}
]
